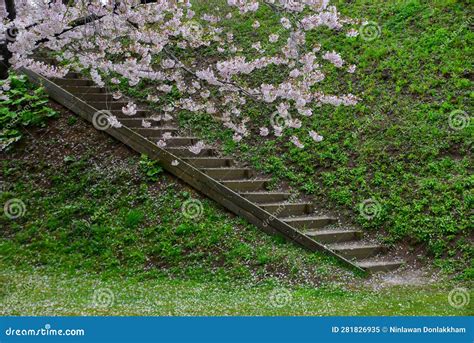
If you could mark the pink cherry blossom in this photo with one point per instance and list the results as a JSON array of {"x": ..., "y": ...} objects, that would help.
[
  {"x": 264, "y": 131},
  {"x": 167, "y": 135},
  {"x": 197, "y": 148},
  {"x": 285, "y": 22},
  {"x": 295, "y": 140},
  {"x": 236, "y": 137},
  {"x": 273, "y": 38},
  {"x": 159, "y": 33},
  {"x": 316, "y": 137},
  {"x": 114, "y": 122},
  {"x": 130, "y": 109}
]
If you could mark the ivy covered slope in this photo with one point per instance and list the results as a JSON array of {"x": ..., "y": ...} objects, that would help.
[
  {"x": 21, "y": 105},
  {"x": 406, "y": 147}
]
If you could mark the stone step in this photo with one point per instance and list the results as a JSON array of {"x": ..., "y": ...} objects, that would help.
[
  {"x": 72, "y": 82},
  {"x": 155, "y": 131},
  {"x": 247, "y": 185},
  {"x": 356, "y": 250},
  {"x": 108, "y": 105},
  {"x": 334, "y": 236},
  {"x": 176, "y": 142},
  {"x": 137, "y": 122},
  {"x": 73, "y": 75},
  {"x": 285, "y": 209},
  {"x": 96, "y": 97},
  {"x": 185, "y": 152},
  {"x": 374, "y": 265},
  {"x": 47, "y": 60},
  {"x": 210, "y": 162},
  {"x": 76, "y": 90},
  {"x": 266, "y": 197},
  {"x": 139, "y": 114},
  {"x": 309, "y": 222},
  {"x": 229, "y": 173}
]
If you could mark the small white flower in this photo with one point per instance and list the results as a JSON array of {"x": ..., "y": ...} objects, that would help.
[
  {"x": 315, "y": 136},
  {"x": 286, "y": 23},
  {"x": 152, "y": 98},
  {"x": 236, "y": 137},
  {"x": 197, "y": 148},
  {"x": 352, "y": 33},
  {"x": 263, "y": 131},
  {"x": 168, "y": 63},
  {"x": 257, "y": 46},
  {"x": 294, "y": 123},
  {"x": 167, "y": 135},
  {"x": 114, "y": 122},
  {"x": 164, "y": 88},
  {"x": 256, "y": 24},
  {"x": 161, "y": 143},
  {"x": 295, "y": 73},
  {"x": 351, "y": 69},
  {"x": 116, "y": 95},
  {"x": 307, "y": 112},
  {"x": 130, "y": 109},
  {"x": 273, "y": 38},
  {"x": 146, "y": 124},
  {"x": 297, "y": 142},
  {"x": 174, "y": 163}
]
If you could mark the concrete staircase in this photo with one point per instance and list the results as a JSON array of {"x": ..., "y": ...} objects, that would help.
[{"x": 224, "y": 179}]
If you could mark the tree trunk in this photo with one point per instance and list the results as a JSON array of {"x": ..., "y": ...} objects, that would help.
[{"x": 9, "y": 37}]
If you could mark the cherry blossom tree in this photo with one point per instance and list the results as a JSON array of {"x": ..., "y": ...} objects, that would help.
[{"x": 145, "y": 41}]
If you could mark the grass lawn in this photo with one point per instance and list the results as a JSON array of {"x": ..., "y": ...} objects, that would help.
[{"x": 39, "y": 292}]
